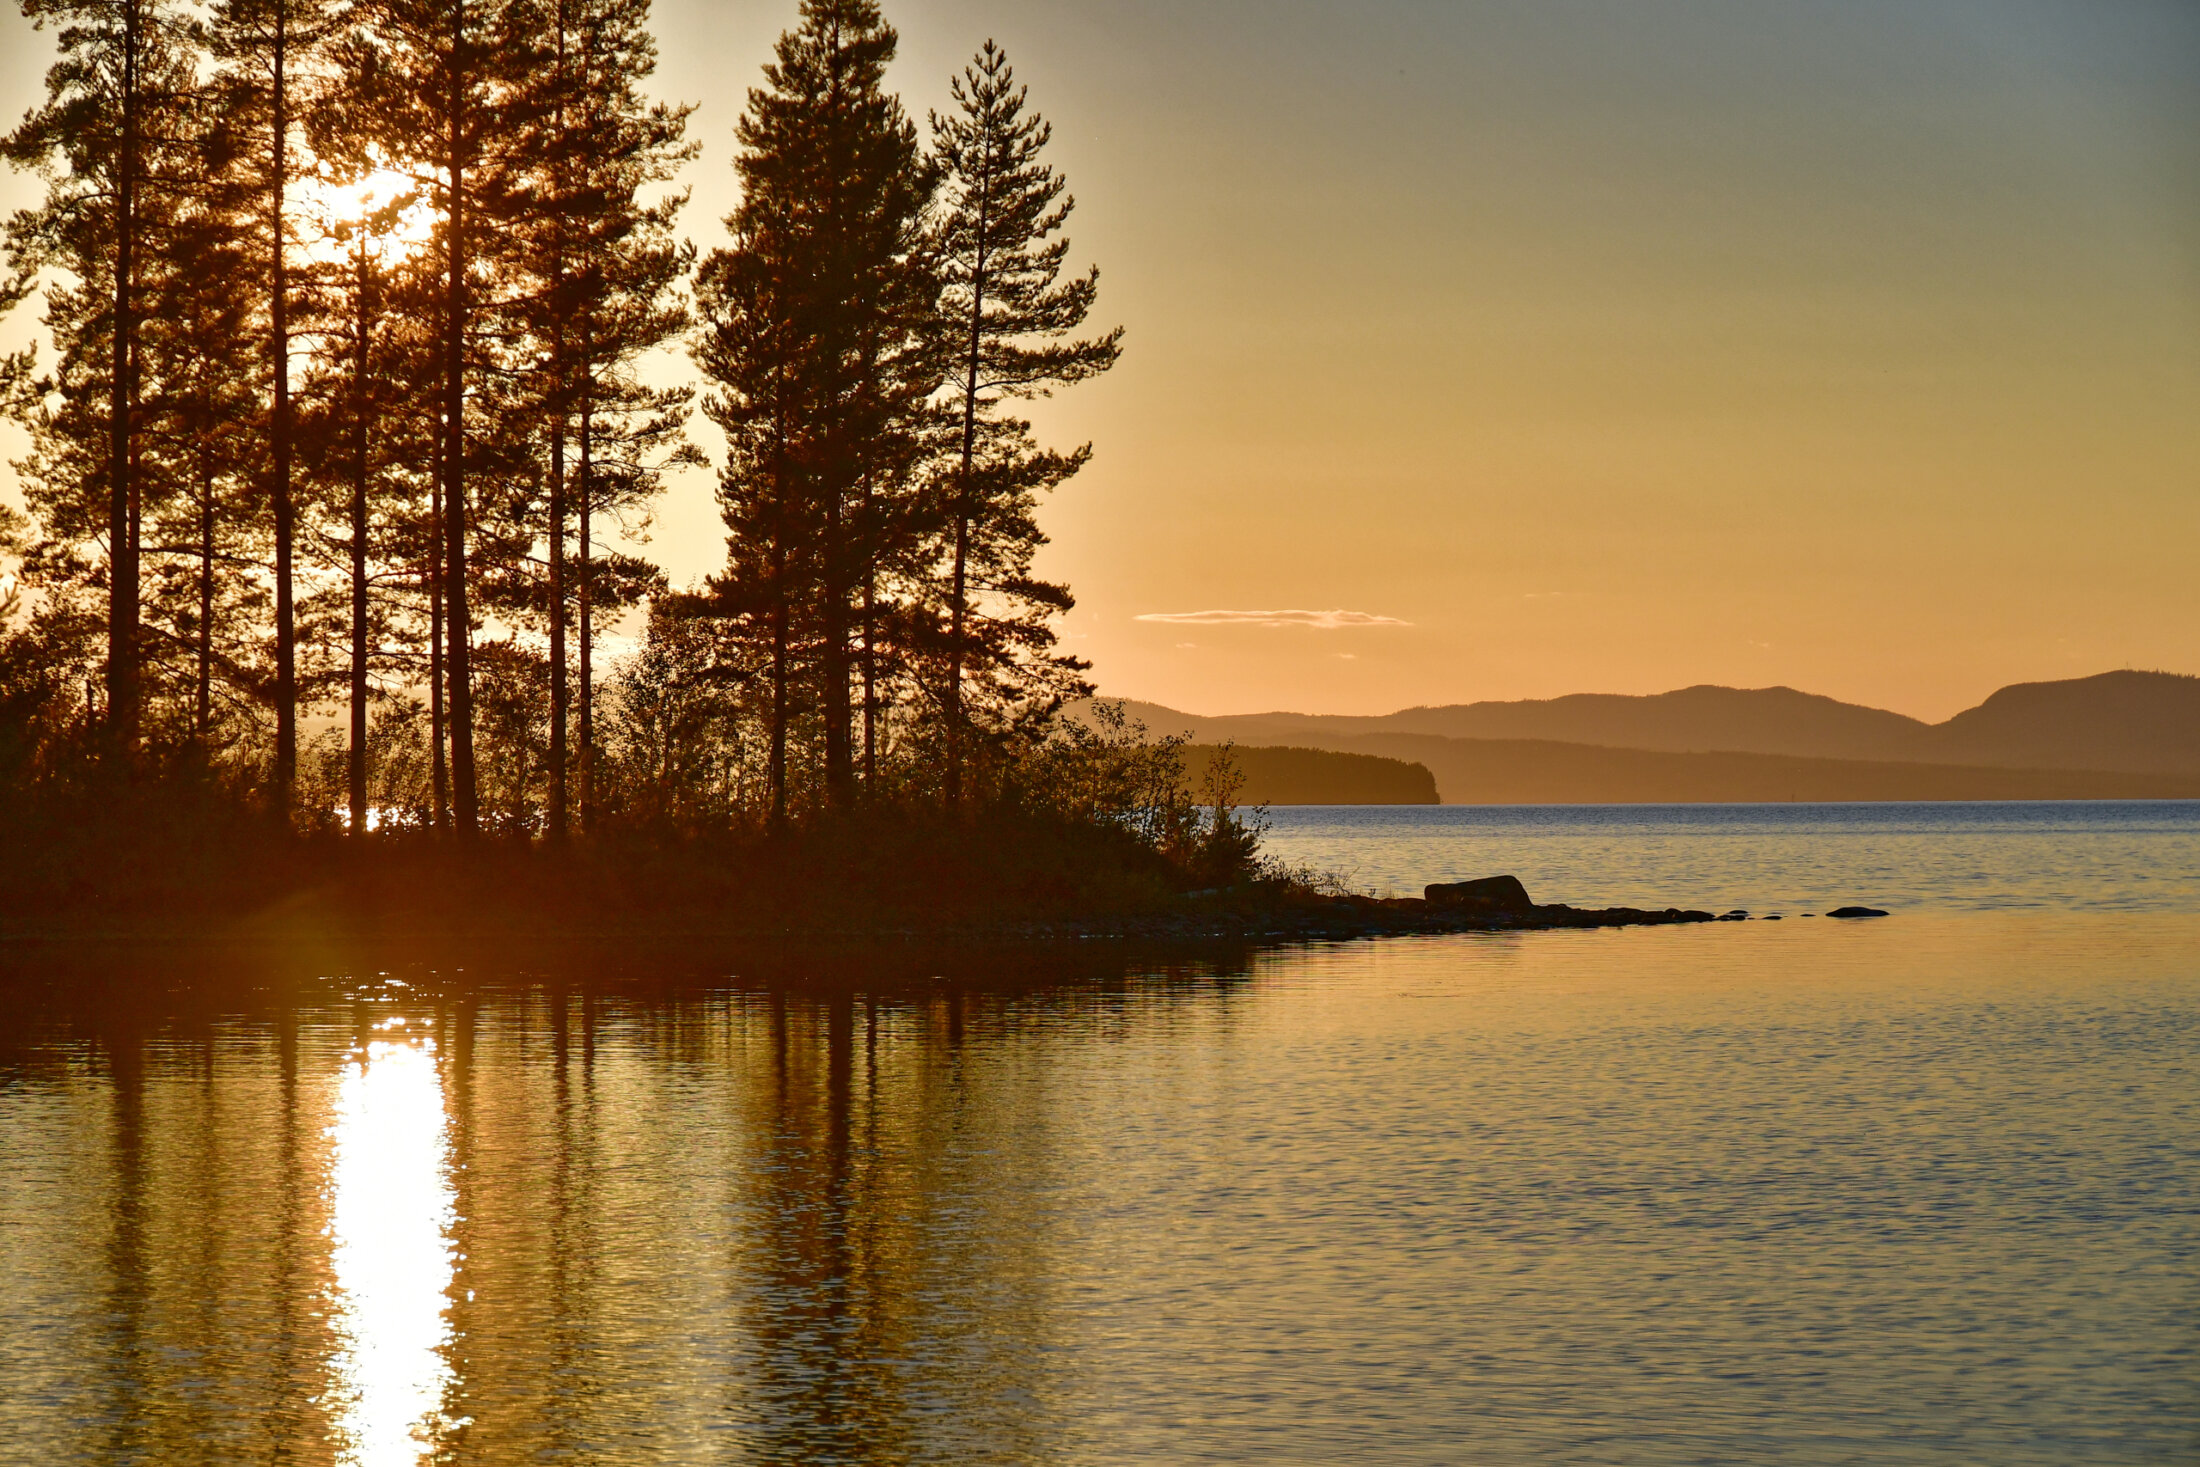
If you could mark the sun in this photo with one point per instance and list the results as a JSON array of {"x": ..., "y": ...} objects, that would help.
[{"x": 381, "y": 211}]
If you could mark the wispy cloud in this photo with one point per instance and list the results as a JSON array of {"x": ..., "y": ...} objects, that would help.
[{"x": 1327, "y": 621}]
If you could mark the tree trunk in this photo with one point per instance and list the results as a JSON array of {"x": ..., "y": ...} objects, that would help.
[
  {"x": 202, "y": 712},
  {"x": 357, "y": 770},
  {"x": 584, "y": 550},
  {"x": 840, "y": 769},
  {"x": 958, "y": 616},
  {"x": 955, "y": 635},
  {"x": 779, "y": 702},
  {"x": 440, "y": 818},
  {"x": 554, "y": 815},
  {"x": 465, "y": 801},
  {"x": 870, "y": 647},
  {"x": 286, "y": 630},
  {"x": 122, "y": 557},
  {"x": 780, "y": 597},
  {"x": 556, "y": 811}
]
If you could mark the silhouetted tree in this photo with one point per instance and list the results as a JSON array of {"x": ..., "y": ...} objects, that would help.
[
  {"x": 291, "y": 453},
  {"x": 368, "y": 435},
  {"x": 200, "y": 416},
  {"x": 814, "y": 333},
  {"x": 439, "y": 89},
  {"x": 607, "y": 269},
  {"x": 266, "y": 47},
  {"x": 115, "y": 139},
  {"x": 1008, "y": 314}
]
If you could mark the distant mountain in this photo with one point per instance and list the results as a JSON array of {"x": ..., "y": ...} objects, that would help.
[
  {"x": 2118, "y": 722},
  {"x": 1753, "y": 720},
  {"x": 2140, "y": 722},
  {"x": 1541, "y": 772}
]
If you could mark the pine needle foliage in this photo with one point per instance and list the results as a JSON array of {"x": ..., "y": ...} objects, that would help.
[
  {"x": 1009, "y": 317},
  {"x": 816, "y": 315},
  {"x": 309, "y": 441}
]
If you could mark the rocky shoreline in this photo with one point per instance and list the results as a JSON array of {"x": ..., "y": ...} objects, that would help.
[
  {"x": 1286, "y": 914},
  {"x": 1493, "y": 904},
  {"x": 1265, "y": 911},
  {"x": 1343, "y": 917}
]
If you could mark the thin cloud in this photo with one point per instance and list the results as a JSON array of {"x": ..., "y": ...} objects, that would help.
[{"x": 1327, "y": 621}]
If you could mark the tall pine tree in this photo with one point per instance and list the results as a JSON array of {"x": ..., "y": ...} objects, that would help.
[
  {"x": 440, "y": 89},
  {"x": 269, "y": 50},
  {"x": 203, "y": 523},
  {"x": 606, "y": 273},
  {"x": 1010, "y": 318},
  {"x": 367, "y": 442},
  {"x": 811, "y": 315},
  {"x": 117, "y": 139}
]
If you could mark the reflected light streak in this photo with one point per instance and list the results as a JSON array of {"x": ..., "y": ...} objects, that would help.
[{"x": 392, "y": 1212}]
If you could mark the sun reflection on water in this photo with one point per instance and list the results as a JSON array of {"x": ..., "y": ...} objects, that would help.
[{"x": 392, "y": 1212}]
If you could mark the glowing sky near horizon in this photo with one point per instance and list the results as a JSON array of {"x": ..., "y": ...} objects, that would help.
[{"x": 1612, "y": 345}]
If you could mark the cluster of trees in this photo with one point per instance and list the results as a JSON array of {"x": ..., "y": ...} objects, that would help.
[{"x": 358, "y": 312}]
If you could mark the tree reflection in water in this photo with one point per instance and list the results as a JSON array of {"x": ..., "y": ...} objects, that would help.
[{"x": 798, "y": 1215}]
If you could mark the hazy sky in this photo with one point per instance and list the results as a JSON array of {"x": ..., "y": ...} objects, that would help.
[{"x": 1601, "y": 345}]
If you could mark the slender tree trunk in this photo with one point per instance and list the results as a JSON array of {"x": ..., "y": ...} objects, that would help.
[
  {"x": 870, "y": 651},
  {"x": 779, "y": 604},
  {"x": 137, "y": 522},
  {"x": 958, "y": 615},
  {"x": 585, "y": 551},
  {"x": 556, "y": 813},
  {"x": 840, "y": 769},
  {"x": 357, "y": 770},
  {"x": 464, "y": 792},
  {"x": 286, "y": 630},
  {"x": 955, "y": 663},
  {"x": 779, "y": 701},
  {"x": 122, "y": 556},
  {"x": 441, "y": 816},
  {"x": 202, "y": 712}
]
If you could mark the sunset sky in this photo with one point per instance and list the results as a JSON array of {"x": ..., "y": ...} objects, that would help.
[{"x": 1588, "y": 345}]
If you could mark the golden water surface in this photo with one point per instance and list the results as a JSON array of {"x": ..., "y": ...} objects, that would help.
[{"x": 1922, "y": 1190}]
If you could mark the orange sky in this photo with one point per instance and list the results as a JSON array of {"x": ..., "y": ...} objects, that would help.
[{"x": 1603, "y": 345}]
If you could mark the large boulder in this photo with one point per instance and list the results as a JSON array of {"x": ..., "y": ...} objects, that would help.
[{"x": 1495, "y": 893}]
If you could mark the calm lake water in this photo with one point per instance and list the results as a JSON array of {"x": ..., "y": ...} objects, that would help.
[
  {"x": 2103, "y": 855},
  {"x": 1920, "y": 1190}
]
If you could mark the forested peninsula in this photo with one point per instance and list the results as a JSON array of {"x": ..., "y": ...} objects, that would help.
[{"x": 356, "y": 317}]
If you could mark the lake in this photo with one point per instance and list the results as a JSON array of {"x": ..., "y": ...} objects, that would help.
[
  {"x": 1916, "y": 1190},
  {"x": 2103, "y": 855}
]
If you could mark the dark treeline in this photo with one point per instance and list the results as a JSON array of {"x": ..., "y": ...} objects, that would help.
[{"x": 359, "y": 311}]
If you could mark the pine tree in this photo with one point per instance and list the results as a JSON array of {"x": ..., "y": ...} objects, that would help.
[
  {"x": 268, "y": 47},
  {"x": 115, "y": 140},
  {"x": 606, "y": 270},
  {"x": 812, "y": 315},
  {"x": 1009, "y": 315},
  {"x": 439, "y": 89},
  {"x": 753, "y": 355},
  {"x": 365, "y": 432},
  {"x": 366, "y": 297},
  {"x": 204, "y": 530}
]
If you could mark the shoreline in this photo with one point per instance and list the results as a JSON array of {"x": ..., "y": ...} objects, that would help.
[{"x": 1258, "y": 916}]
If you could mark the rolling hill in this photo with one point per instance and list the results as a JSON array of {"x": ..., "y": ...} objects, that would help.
[{"x": 2116, "y": 735}]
